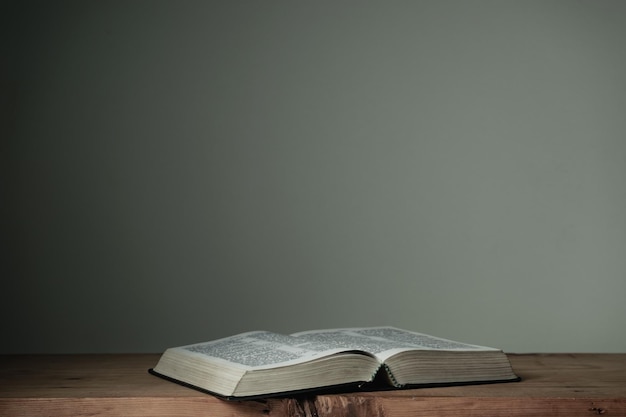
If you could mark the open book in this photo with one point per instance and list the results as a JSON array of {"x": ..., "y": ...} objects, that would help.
[{"x": 261, "y": 363}]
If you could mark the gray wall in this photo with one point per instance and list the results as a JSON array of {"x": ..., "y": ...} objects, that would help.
[{"x": 180, "y": 171}]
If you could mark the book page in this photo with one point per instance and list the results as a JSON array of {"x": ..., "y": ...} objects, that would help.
[
  {"x": 381, "y": 341},
  {"x": 262, "y": 349}
]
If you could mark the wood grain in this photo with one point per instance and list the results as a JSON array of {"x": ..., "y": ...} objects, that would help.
[{"x": 119, "y": 385}]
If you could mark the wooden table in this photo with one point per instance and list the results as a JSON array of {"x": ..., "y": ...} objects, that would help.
[{"x": 119, "y": 385}]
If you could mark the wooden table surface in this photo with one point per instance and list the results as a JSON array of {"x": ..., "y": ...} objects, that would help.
[{"x": 119, "y": 385}]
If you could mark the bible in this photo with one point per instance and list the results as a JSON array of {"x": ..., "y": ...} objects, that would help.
[{"x": 262, "y": 364}]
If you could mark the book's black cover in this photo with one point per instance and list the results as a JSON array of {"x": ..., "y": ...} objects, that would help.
[
  {"x": 360, "y": 386},
  {"x": 334, "y": 389}
]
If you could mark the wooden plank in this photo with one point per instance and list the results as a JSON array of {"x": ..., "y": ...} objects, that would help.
[
  {"x": 128, "y": 406},
  {"x": 119, "y": 385},
  {"x": 491, "y": 406},
  {"x": 78, "y": 376},
  {"x": 102, "y": 385},
  {"x": 346, "y": 406}
]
